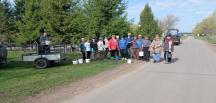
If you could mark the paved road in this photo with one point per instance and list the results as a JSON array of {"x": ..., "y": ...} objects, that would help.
[{"x": 191, "y": 79}]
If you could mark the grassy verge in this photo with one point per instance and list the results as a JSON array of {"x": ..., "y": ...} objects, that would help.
[
  {"x": 19, "y": 80},
  {"x": 209, "y": 39}
]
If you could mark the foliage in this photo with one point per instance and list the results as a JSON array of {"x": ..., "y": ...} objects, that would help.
[
  {"x": 149, "y": 26},
  {"x": 207, "y": 26}
]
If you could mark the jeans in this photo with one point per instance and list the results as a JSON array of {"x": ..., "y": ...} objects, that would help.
[{"x": 156, "y": 57}]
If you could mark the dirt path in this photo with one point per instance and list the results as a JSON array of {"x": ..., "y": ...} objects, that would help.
[{"x": 61, "y": 93}]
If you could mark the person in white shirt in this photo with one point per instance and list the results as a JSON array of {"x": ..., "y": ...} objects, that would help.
[
  {"x": 88, "y": 49},
  {"x": 101, "y": 49},
  {"x": 106, "y": 46}
]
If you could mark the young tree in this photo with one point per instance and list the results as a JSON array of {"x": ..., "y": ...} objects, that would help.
[
  {"x": 149, "y": 26},
  {"x": 169, "y": 22}
]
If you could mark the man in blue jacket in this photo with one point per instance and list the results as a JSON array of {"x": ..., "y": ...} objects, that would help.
[
  {"x": 123, "y": 48},
  {"x": 139, "y": 44},
  {"x": 129, "y": 40}
]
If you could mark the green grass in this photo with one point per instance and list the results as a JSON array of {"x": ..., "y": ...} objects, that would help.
[
  {"x": 19, "y": 80},
  {"x": 209, "y": 39}
]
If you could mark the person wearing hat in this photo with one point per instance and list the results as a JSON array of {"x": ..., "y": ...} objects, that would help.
[
  {"x": 139, "y": 45},
  {"x": 129, "y": 40}
]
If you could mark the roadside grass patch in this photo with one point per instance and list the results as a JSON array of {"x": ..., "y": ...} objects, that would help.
[{"x": 19, "y": 80}]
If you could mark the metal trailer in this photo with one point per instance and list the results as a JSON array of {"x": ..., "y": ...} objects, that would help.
[
  {"x": 3, "y": 54},
  {"x": 44, "y": 60}
]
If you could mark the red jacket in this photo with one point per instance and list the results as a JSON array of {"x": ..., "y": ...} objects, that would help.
[{"x": 113, "y": 44}]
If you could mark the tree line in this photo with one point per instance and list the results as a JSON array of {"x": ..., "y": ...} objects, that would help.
[
  {"x": 207, "y": 26},
  {"x": 68, "y": 21}
]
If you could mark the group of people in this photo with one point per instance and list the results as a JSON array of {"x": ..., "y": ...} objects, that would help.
[{"x": 127, "y": 47}]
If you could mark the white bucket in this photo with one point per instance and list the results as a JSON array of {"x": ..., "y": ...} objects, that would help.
[
  {"x": 141, "y": 53},
  {"x": 47, "y": 42},
  {"x": 75, "y": 62},
  {"x": 80, "y": 61},
  {"x": 88, "y": 60},
  {"x": 129, "y": 61}
]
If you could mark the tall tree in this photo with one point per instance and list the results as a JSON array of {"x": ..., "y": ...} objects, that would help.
[
  {"x": 149, "y": 26},
  {"x": 106, "y": 17},
  {"x": 7, "y": 20}
]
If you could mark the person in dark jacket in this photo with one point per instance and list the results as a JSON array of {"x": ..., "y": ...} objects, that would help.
[
  {"x": 83, "y": 49},
  {"x": 129, "y": 40},
  {"x": 94, "y": 49},
  {"x": 44, "y": 40},
  {"x": 146, "y": 45}
]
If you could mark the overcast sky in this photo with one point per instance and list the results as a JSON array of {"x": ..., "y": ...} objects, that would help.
[{"x": 189, "y": 12}]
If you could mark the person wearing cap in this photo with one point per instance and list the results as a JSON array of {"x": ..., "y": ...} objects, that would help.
[
  {"x": 83, "y": 49},
  {"x": 139, "y": 45},
  {"x": 134, "y": 49},
  {"x": 146, "y": 45},
  {"x": 101, "y": 49},
  {"x": 129, "y": 40},
  {"x": 113, "y": 46}
]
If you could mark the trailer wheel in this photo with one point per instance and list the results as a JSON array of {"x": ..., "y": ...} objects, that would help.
[{"x": 41, "y": 63}]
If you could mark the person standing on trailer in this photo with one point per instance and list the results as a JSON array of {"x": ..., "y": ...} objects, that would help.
[
  {"x": 168, "y": 48},
  {"x": 44, "y": 40}
]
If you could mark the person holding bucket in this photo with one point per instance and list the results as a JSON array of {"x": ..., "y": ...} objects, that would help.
[
  {"x": 146, "y": 45},
  {"x": 113, "y": 47},
  {"x": 139, "y": 45},
  {"x": 156, "y": 49}
]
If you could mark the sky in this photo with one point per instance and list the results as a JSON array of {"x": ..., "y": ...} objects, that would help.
[{"x": 190, "y": 12}]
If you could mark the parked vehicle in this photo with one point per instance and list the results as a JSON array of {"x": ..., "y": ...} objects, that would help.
[
  {"x": 3, "y": 54},
  {"x": 176, "y": 36}
]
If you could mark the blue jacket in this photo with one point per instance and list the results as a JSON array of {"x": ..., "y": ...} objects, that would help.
[
  {"x": 122, "y": 44},
  {"x": 139, "y": 43},
  {"x": 129, "y": 39}
]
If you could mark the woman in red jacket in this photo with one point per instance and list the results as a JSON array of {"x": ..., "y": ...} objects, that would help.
[{"x": 113, "y": 46}]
